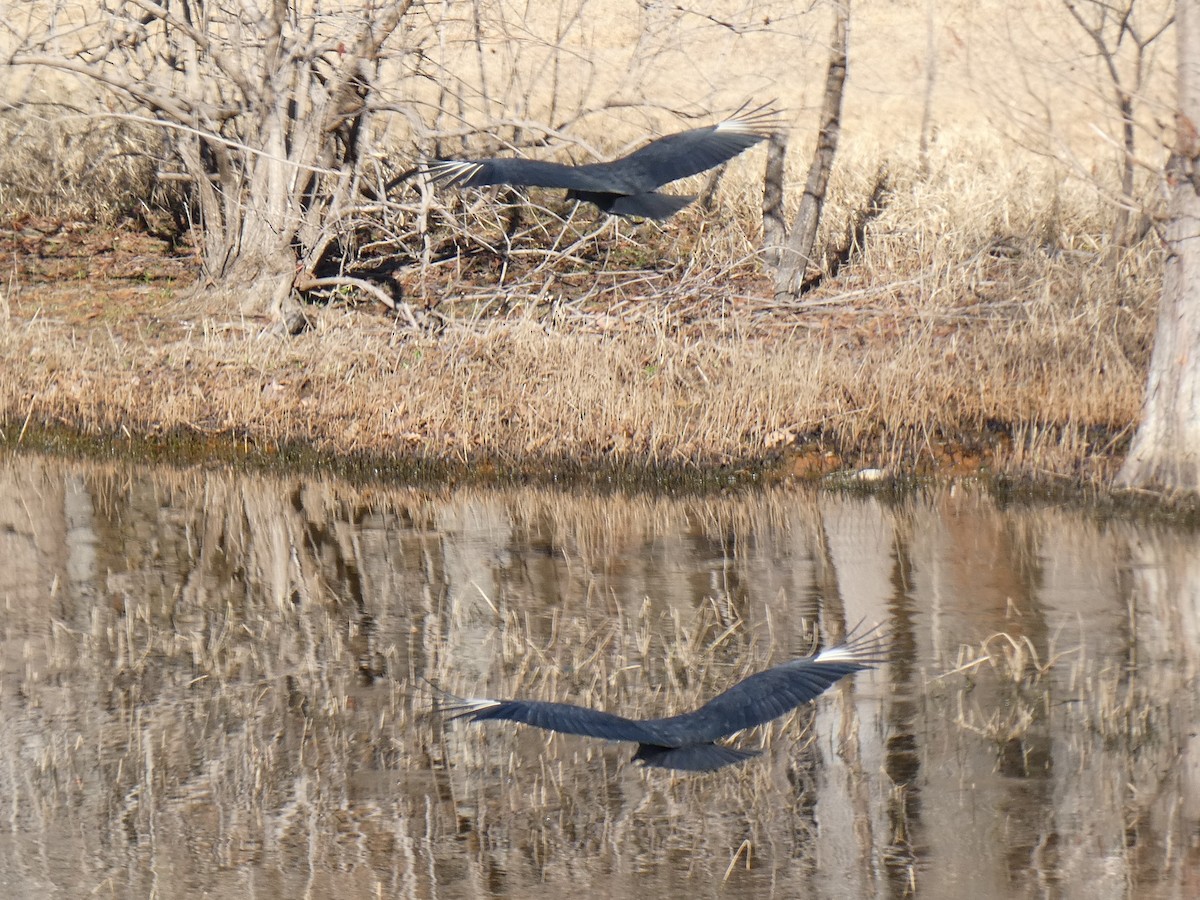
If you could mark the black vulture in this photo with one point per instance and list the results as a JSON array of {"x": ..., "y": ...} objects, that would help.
[
  {"x": 688, "y": 741},
  {"x": 626, "y": 186}
]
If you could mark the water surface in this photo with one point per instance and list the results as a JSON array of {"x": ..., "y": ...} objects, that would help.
[{"x": 214, "y": 683}]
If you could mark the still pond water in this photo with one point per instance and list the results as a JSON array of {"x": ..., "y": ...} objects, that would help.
[{"x": 215, "y": 684}]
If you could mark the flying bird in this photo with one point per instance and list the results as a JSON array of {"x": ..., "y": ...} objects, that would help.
[
  {"x": 627, "y": 186},
  {"x": 688, "y": 742}
]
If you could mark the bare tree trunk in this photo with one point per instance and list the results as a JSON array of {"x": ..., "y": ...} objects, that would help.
[
  {"x": 1166, "y": 449},
  {"x": 796, "y": 256},
  {"x": 774, "y": 223}
]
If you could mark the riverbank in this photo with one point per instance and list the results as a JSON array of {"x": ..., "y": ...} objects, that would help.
[{"x": 1017, "y": 359}]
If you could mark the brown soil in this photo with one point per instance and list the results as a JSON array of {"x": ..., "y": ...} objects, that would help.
[{"x": 81, "y": 274}]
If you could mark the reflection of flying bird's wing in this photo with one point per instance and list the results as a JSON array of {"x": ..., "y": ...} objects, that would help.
[
  {"x": 769, "y": 694},
  {"x": 562, "y": 717},
  {"x": 687, "y": 741}
]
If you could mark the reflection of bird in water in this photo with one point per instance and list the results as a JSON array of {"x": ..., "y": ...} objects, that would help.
[
  {"x": 626, "y": 186},
  {"x": 688, "y": 741}
]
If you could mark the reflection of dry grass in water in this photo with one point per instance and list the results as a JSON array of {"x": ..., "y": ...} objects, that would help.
[
  {"x": 974, "y": 332},
  {"x": 250, "y": 705},
  {"x": 1109, "y": 724},
  {"x": 1017, "y": 672},
  {"x": 1006, "y": 691},
  {"x": 264, "y": 698}
]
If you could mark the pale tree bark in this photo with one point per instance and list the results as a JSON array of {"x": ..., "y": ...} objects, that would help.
[
  {"x": 794, "y": 256},
  {"x": 1165, "y": 455}
]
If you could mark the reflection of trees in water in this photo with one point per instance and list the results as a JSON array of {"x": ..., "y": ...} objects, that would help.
[
  {"x": 219, "y": 674},
  {"x": 1150, "y": 707}
]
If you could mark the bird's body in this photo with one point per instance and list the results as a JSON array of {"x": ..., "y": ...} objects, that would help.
[
  {"x": 627, "y": 186},
  {"x": 688, "y": 741}
]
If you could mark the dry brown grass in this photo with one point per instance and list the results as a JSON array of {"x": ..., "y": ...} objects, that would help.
[
  {"x": 65, "y": 165},
  {"x": 980, "y": 327}
]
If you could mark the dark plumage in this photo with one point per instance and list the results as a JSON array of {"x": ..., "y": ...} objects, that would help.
[
  {"x": 626, "y": 186},
  {"x": 688, "y": 741}
]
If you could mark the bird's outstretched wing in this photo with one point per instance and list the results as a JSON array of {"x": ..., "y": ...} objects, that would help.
[
  {"x": 676, "y": 156},
  {"x": 562, "y": 717},
  {"x": 661, "y": 161},
  {"x": 516, "y": 171},
  {"x": 769, "y": 694}
]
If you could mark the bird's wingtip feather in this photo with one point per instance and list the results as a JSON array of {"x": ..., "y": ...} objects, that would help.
[
  {"x": 762, "y": 120},
  {"x": 868, "y": 648},
  {"x": 454, "y": 706},
  {"x": 468, "y": 706},
  {"x": 450, "y": 171}
]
